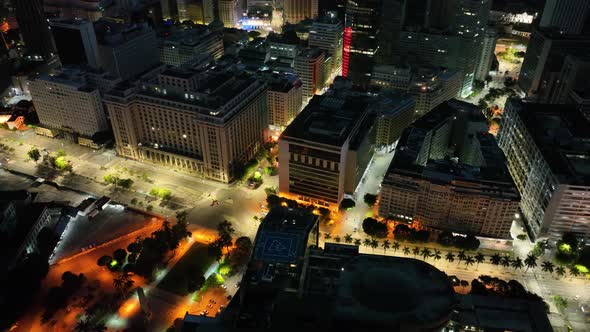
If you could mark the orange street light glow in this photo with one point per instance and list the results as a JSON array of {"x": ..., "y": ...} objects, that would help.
[{"x": 129, "y": 308}]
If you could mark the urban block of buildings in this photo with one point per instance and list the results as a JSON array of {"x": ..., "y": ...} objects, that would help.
[
  {"x": 185, "y": 45},
  {"x": 548, "y": 155},
  {"x": 209, "y": 121},
  {"x": 449, "y": 174}
]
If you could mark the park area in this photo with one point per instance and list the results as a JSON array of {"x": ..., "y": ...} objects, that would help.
[{"x": 185, "y": 275}]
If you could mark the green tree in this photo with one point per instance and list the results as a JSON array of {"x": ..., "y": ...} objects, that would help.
[
  {"x": 395, "y": 246},
  {"x": 450, "y": 257},
  {"x": 385, "y": 245},
  {"x": 517, "y": 263},
  {"x": 374, "y": 244},
  {"x": 574, "y": 272},
  {"x": 416, "y": 251},
  {"x": 547, "y": 266},
  {"x": 437, "y": 255},
  {"x": 357, "y": 242},
  {"x": 469, "y": 260},
  {"x": 348, "y": 238},
  {"x": 479, "y": 258},
  {"x": 125, "y": 183},
  {"x": 337, "y": 238},
  {"x": 327, "y": 236},
  {"x": 560, "y": 271},
  {"x": 505, "y": 261},
  {"x": 61, "y": 153},
  {"x": 406, "y": 251},
  {"x": 34, "y": 154},
  {"x": 426, "y": 253},
  {"x": 461, "y": 256},
  {"x": 496, "y": 259},
  {"x": 367, "y": 242},
  {"x": 346, "y": 204},
  {"x": 370, "y": 199},
  {"x": 530, "y": 262}
]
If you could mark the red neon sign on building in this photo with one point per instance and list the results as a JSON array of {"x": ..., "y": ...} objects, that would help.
[{"x": 346, "y": 50}]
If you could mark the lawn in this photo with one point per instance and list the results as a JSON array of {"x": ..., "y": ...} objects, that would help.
[{"x": 194, "y": 260}]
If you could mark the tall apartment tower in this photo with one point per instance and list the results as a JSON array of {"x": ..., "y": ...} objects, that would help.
[
  {"x": 296, "y": 11},
  {"x": 209, "y": 122},
  {"x": 285, "y": 98},
  {"x": 547, "y": 155},
  {"x": 326, "y": 34},
  {"x": 309, "y": 66},
  {"x": 34, "y": 28},
  {"x": 228, "y": 12},
  {"x": 66, "y": 102},
  {"x": 361, "y": 28},
  {"x": 568, "y": 16},
  {"x": 169, "y": 9},
  {"x": 487, "y": 54},
  {"x": 76, "y": 43}
]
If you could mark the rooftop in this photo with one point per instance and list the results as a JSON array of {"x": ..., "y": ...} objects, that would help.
[
  {"x": 562, "y": 134},
  {"x": 327, "y": 120}
]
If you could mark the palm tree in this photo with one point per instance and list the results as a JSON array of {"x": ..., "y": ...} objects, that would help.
[
  {"x": 348, "y": 238},
  {"x": 560, "y": 270},
  {"x": 337, "y": 238},
  {"x": 450, "y": 257},
  {"x": 395, "y": 246},
  {"x": 505, "y": 261},
  {"x": 517, "y": 263},
  {"x": 357, "y": 242},
  {"x": 425, "y": 253},
  {"x": 479, "y": 258},
  {"x": 123, "y": 282},
  {"x": 118, "y": 283},
  {"x": 547, "y": 266},
  {"x": 367, "y": 242},
  {"x": 495, "y": 259},
  {"x": 83, "y": 325},
  {"x": 406, "y": 251},
  {"x": 416, "y": 251},
  {"x": 530, "y": 261},
  {"x": 327, "y": 236},
  {"x": 574, "y": 272},
  {"x": 437, "y": 255},
  {"x": 385, "y": 245},
  {"x": 461, "y": 256},
  {"x": 374, "y": 244},
  {"x": 469, "y": 260}
]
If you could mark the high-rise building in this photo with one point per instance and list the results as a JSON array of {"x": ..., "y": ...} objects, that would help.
[
  {"x": 34, "y": 28},
  {"x": 429, "y": 87},
  {"x": 309, "y": 66},
  {"x": 75, "y": 41},
  {"x": 296, "y": 11},
  {"x": 394, "y": 113},
  {"x": 572, "y": 81},
  {"x": 548, "y": 156},
  {"x": 169, "y": 9},
  {"x": 448, "y": 173},
  {"x": 67, "y": 102},
  {"x": 285, "y": 100},
  {"x": 392, "y": 20},
  {"x": 361, "y": 28},
  {"x": 90, "y": 10},
  {"x": 545, "y": 55},
  {"x": 126, "y": 50},
  {"x": 210, "y": 122},
  {"x": 229, "y": 12},
  {"x": 324, "y": 152},
  {"x": 326, "y": 34},
  {"x": 184, "y": 45},
  {"x": 567, "y": 16},
  {"x": 487, "y": 54}
]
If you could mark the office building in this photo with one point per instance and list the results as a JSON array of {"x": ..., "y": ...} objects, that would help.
[
  {"x": 394, "y": 113},
  {"x": 34, "y": 28},
  {"x": 571, "y": 84},
  {"x": 283, "y": 49},
  {"x": 543, "y": 60},
  {"x": 76, "y": 43},
  {"x": 326, "y": 34},
  {"x": 430, "y": 87},
  {"x": 187, "y": 44},
  {"x": 68, "y": 103},
  {"x": 295, "y": 11},
  {"x": 126, "y": 50},
  {"x": 449, "y": 174},
  {"x": 210, "y": 121},
  {"x": 309, "y": 66},
  {"x": 567, "y": 16},
  {"x": 285, "y": 100},
  {"x": 324, "y": 152},
  {"x": 89, "y": 10},
  {"x": 547, "y": 150},
  {"x": 229, "y": 11},
  {"x": 392, "y": 20},
  {"x": 169, "y": 9},
  {"x": 488, "y": 54},
  {"x": 361, "y": 28}
]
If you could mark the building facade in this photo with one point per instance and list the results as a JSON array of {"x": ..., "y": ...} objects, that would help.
[
  {"x": 285, "y": 100},
  {"x": 34, "y": 28},
  {"x": 209, "y": 122},
  {"x": 75, "y": 41},
  {"x": 67, "y": 102},
  {"x": 324, "y": 152},
  {"x": 449, "y": 174},
  {"x": 309, "y": 66},
  {"x": 229, "y": 12},
  {"x": 488, "y": 53},
  {"x": 296, "y": 11},
  {"x": 186, "y": 45},
  {"x": 548, "y": 157},
  {"x": 568, "y": 16},
  {"x": 326, "y": 34}
]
